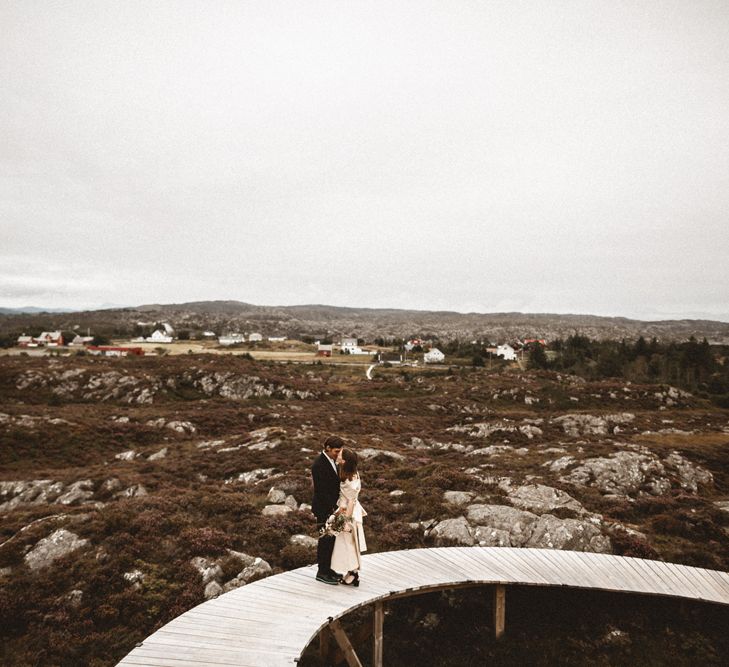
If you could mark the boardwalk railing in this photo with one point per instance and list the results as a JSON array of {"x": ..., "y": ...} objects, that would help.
[{"x": 271, "y": 621}]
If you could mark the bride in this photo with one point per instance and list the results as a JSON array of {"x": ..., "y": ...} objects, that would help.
[{"x": 349, "y": 543}]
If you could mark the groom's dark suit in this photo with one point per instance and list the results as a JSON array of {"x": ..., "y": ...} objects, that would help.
[{"x": 326, "y": 494}]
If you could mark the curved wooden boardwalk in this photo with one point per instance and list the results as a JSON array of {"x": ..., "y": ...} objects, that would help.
[{"x": 270, "y": 622}]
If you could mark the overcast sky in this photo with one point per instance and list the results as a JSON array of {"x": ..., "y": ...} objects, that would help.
[{"x": 471, "y": 156}]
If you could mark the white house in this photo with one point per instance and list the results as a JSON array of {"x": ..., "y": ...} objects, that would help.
[
  {"x": 80, "y": 341},
  {"x": 159, "y": 336},
  {"x": 231, "y": 339},
  {"x": 506, "y": 351},
  {"x": 50, "y": 338},
  {"x": 434, "y": 356},
  {"x": 277, "y": 339},
  {"x": 350, "y": 346},
  {"x": 26, "y": 341},
  {"x": 168, "y": 329},
  {"x": 208, "y": 334},
  {"x": 255, "y": 337}
]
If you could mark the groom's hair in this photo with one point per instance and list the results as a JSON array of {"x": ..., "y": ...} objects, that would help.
[{"x": 333, "y": 442}]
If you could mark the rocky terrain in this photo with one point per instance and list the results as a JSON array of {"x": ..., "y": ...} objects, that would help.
[
  {"x": 368, "y": 323},
  {"x": 135, "y": 488}
]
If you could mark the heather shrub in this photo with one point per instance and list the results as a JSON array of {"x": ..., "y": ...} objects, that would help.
[
  {"x": 625, "y": 544},
  {"x": 293, "y": 556},
  {"x": 205, "y": 541}
]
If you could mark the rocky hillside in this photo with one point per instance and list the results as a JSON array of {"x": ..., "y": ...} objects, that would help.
[
  {"x": 133, "y": 489},
  {"x": 321, "y": 321}
]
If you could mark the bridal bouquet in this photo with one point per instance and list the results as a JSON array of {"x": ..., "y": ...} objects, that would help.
[{"x": 335, "y": 524}]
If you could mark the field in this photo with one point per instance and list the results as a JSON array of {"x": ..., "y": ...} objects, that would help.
[{"x": 153, "y": 475}]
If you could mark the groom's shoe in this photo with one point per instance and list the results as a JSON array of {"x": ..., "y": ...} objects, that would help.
[
  {"x": 336, "y": 575},
  {"x": 327, "y": 579}
]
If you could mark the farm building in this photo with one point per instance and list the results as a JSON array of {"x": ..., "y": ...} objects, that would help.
[
  {"x": 159, "y": 336},
  {"x": 323, "y": 350},
  {"x": 255, "y": 337},
  {"x": 109, "y": 351},
  {"x": 434, "y": 356},
  {"x": 507, "y": 352},
  {"x": 231, "y": 339},
  {"x": 50, "y": 339}
]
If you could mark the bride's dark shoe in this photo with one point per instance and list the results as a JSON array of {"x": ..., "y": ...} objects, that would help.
[{"x": 351, "y": 579}]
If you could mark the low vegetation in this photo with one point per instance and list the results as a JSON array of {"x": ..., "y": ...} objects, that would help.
[{"x": 153, "y": 462}]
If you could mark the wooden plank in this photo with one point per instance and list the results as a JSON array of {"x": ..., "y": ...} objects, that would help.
[
  {"x": 623, "y": 575},
  {"x": 270, "y": 644},
  {"x": 526, "y": 564},
  {"x": 522, "y": 574},
  {"x": 665, "y": 582},
  {"x": 713, "y": 587},
  {"x": 486, "y": 558},
  {"x": 720, "y": 578},
  {"x": 350, "y": 655},
  {"x": 378, "y": 621},
  {"x": 163, "y": 656},
  {"x": 499, "y": 610},
  {"x": 325, "y": 637}
]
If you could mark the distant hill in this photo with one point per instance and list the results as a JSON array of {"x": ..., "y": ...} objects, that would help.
[
  {"x": 33, "y": 309},
  {"x": 369, "y": 323}
]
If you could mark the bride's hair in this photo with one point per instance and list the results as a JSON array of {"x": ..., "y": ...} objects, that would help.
[{"x": 348, "y": 468}]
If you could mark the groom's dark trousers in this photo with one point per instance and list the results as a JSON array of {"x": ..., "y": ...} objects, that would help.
[{"x": 326, "y": 494}]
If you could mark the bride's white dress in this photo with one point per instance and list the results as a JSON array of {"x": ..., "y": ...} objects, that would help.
[{"x": 349, "y": 545}]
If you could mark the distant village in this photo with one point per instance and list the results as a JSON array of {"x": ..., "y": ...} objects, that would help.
[{"x": 410, "y": 352}]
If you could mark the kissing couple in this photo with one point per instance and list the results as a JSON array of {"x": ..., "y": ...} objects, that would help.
[{"x": 338, "y": 514}]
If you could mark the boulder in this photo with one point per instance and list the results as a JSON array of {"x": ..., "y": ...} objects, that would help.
[
  {"x": 276, "y": 496},
  {"x": 276, "y": 510},
  {"x": 576, "y": 425},
  {"x": 485, "y": 536},
  {"x": 209, "y": 570},
  {"x": 622, "y": 474},
  {"x": 453, "y": 530},
  {"x": 34, "y": 492},
  {"x": 560, "y": 464},
  {"x": 135, "y": 578},
  {"x": 212, "y": 590},
  {"x": 111, "y": 485},
  {"x": 58, "y": 544},
  {"x": 549, "y": 532},
  {"x": 722, "y": 505},
  {"x": 541, "y": 499},
  {"x": 517, "y": 523},
  {"x": 457, "y": 497},
  {"x": 74, "y": 598},
  {"x": 256, "y": 570},
  {"x": 492, "y": 450},
  {"x": 77, "y": 492},
  {"x": 689, "y": 475},
  {"x": 290, "y": 501},
  {"x": 304, "y": 541},
  {"x": 369, "y": 453},
  {"x": 251, "y": 476},
  {"x": 181, "y": 426},
  {"x": 134, "y": 491},
  {"x": 158, "y": 455},
  {"x": 127, "y": 455},
  {"x": 530, "y": 431},
  {"x": 244, "y": 558},
  {"x": 484, "y": 429}
]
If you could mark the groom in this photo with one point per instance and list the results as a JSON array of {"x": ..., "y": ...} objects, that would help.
[{"x": 326, "y": 493}]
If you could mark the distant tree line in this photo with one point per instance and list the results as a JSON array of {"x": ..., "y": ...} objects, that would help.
[{"x": 692, "y": 365}]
